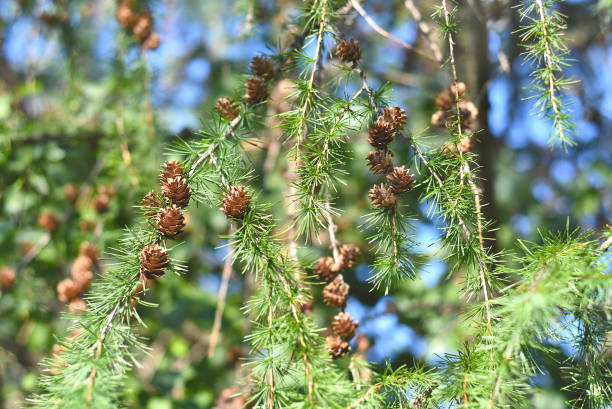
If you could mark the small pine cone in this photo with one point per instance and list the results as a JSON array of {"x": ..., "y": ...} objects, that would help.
[
  {"x": 337, "y": 347},
  {"x": 170, "y": 221},
  {"x": 438, "y": 118},
  {"x": 344, "y": 325},
  {"x": 262, "y": 67},
  {"x": 326, "y": 269},
  {"x": 444, "y": 100},
  {"x": 382, "y": 197},
  {"x": 226, "y": 108},
  {"x": 396, "y": 116},
  {"x": 77, "y": 306},
  {"x": 82, "y": 263},
  {"x": 90, "y": 250},
  {"x": 349, "y": 255},
  {"x": 461, "y": 88},
  {"x": 400, "y": 180},
  {"x": 177, "y": 191},
  {"x": 171, "y": 169},
  {"x": 256, "y": 90},
  {"x": 7, "y": 277},
  {"x": 47, "y": 220},
  {"x": 153, "y": 261},
  {"x": 71, "y": 192},
  {"x": 100, "y": 202},
  {"x": 468, "y": 112},
  {"x": 152, "y": 204},
  {"x": 143, "y": 26},
  {"x": 82, "y": 278},
  {"x": 465, "y": 145},
  {"x": 381, "y": 134},
  {"x": 334, "y": 293},
  {"x": 236, "y": 202},
  {"x": 363, "y": 343},
  {"x": 380, "y": 162},
  {"x": 348, "y": 51},
  {"x": 152, "y": 41},
  {"x": 67, "y": 289},
  {"x": 125, "y": 15}
]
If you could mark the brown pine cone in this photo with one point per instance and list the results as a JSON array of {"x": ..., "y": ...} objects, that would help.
[
  {"x": 177, "y": 191},
  {"x": 90, "y": 250},
  {"x": 67, "y": 289},
  {"x": 381, "y": 134},
  {"x": 71, "y": 192},
  {"x": 152, "y": 203},
  {"x": 170, "y": 169},
  {"x": 143, "y": 25},
  {"x": 465, "y": 145},
  {"x": 262, "y": 67},
  {"x": 100, "y": 202},
  {"x": 396, "y": 116},
  {"x": 349, "y": 255},
  {"x": 326, "y": 269},
  {"x": 468, "y": 112},
  {"x": 348, "y": 51},
  {"x": 226, "y": 108},
  {"x": 256, "y": 90},
  {"x": 48, "y": 220},
  {"x": 82, "y": 263},
  {"x": 82, "y": 278},
  {"x": 153, "y": 261},
  {"x": 152, "y": 41},
  {"x": 400, "y": 180},
  {"x": 334, "y": 293},
  {"x": 444, "y": 100},
  {"x": 438, "y": 118},
  {"x": 77, "y": 306},
  {"x": 382, "y": 197},
  {"x": 125, "y": 14},
  {"x": 170, "y": 221},
  {"x": 363, "y": 343},
  {"x": 236, "y": 202},
  {"x": 344, "y": 325},
  {"x": 336, "y": 347},
  {"x": 7, "y": 277},
  {"x": 380, "y": 162},
  {"x": 461, "y": 88}
]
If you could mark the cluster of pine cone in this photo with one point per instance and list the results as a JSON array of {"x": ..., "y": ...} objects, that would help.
[
  {"x": 399, "y": 180},
  {"x": 348, "y": 51},
  {"x": 447, "y": 105},
  {"x": 70, "y": 289},
  {"x": 139, "y": 22},
  {"x": 334, "y": 295}
]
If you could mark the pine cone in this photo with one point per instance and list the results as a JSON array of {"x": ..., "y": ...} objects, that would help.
[
  {"x": 382, "y": 197},
  {"x": 100, "y": 202},
  {"x": 363, "y": 343},
  {"x": 262, "y": 67},
  {"x": 334, "y": 293},
  {"x": 256, "y": 90},
  {"x": 444, "y": 100},
  {"x": 7, "y": 277},
  {"x": 236, "y": 202},
  {"x": 82, "y": 278},
  {"x": 143, "y": 26},
  {"x": 152, "y": 41},
  {"x": 344, "y": 325},
  {"x": 468, "y": 112},
  {"x": 326, "y": 269},
  {"x": 226, "y": 108},
  {"x": 337, "y": 347},
  {"x": 400, "y": 180},
  {"x": 461, "y": 88},
  {"x": 153, "y": 261},
  {"x": 125, "y": 15},
  {"x": 438, "y": 118},
  {"x": 71, "y": 192},
  {"x": 465, "y": 145},
  {"x": 82, "y": 263},
  {"x": 177, "y": 191},
  {"x": 47, "y": 220},
  {"x": 171, "y": 169},
  {"x": 396, "y": 116},
  {"x": 77, "y": 306},
  {"x": 380, "y": 162},
  {"x": 348, "y": 51},
  {"x": 170, "y": 221},
  {"x": 152, "y": 203},
  {"x": 349, "y": 255},
  {"x": 90, "y": 250},
  {"x": 67, "y": 290},
  {"x": 381, "y": 134}
]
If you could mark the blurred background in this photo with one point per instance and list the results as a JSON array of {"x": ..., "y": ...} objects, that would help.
[{"x": 87, "y": 110}]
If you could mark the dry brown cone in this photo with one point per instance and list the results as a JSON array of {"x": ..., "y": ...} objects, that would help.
[
  {"x": 82, "y": 279},
  {"x": 153, "y": 261},
  {"x": 344, "y": 325},
  {"x": 90, "y": 250},
  {"x": 236, "y": 202},
  {"x": 152, "y": 203},
  {"x": 48, "y": 220},
  {"x": 152, "y": 41},
  {"x": 326, "y": 269},
  {"x": 336, "y": 347},
  {"x": 177, "y": 191},
  {"x": 262, "y": 67},
  {"x": 7, "y": 277},
  {"x": 77, "y": 306},
  {"x": 170, "y": 169},
  {"x": 348, "y": 51},
  {"x": 335, "y": 293},
  {"x": 71, "y": 192},
  {"x": 143, "y": 25},
  {"x": 381, "y": 134},
  {"x": 100, "y": 202},
  {"x": 170, "y": 221},
  {"x": 438, "y": 118},
  {"x": 82, "y": 263},
  {"x": 67, "y": 289},
  {"x": 382, "y": 197},
  {"x": 465, "y": 145},
  {"x": 468, "y": 112},
  {"x": 380, "y": 162},
  {"x": 444, "y": 100},
  {"x": 401, "y": 180},
  {"x": 256, "y": 90},
  {"x": 226, "y": 108},
  {"x": 349, "y": 255},
  {"x": 461, "y": 89},
  {"x": 396, "y": 116},
  {"x": 125, "y": 14}
]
